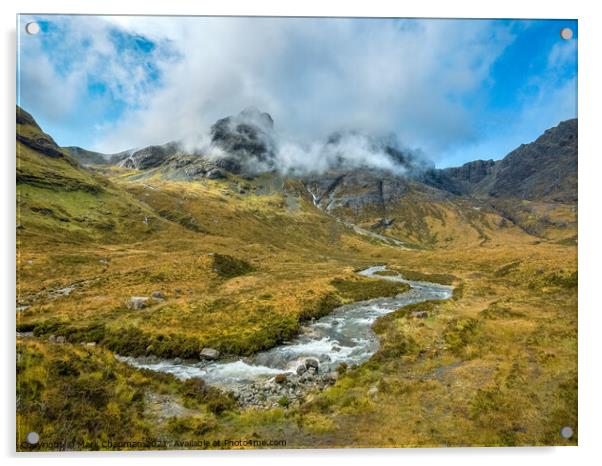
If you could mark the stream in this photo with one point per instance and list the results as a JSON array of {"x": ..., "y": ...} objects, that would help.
[{"x": 343, "y": 336}]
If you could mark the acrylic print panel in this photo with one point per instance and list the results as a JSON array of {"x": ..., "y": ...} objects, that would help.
[{"x": 295, "y": 233}]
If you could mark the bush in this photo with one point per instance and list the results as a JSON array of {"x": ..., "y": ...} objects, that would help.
[
  {"x": 217, "y": 401},
  {"x": 229, "y": 267},
  {"x": 196, "y": 425},
  {"x": 461, "y": 332},
  {"x": 284, "y": 401}
]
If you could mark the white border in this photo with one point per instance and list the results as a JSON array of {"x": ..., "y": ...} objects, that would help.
[{"x": 590, "y": 83}]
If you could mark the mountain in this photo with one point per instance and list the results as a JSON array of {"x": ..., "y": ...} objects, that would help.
[
  {"x": 58, "y": 200},
  {"x": 31, "y": 135},
  {"x": 417, "y": 205},
  {"x": 545, "y": 169},
  {"x": 87, "y": 157}
]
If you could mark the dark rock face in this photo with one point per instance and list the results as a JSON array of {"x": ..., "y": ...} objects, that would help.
[
  {"x": 36, "y": 139},
  {"x": 150, "y": 157},
  {"x": 356, "y": 190},
  {"x": 246, "y": 139},
  {"x": 458, "y": 180},
  {"x": 545, "y": 169}
]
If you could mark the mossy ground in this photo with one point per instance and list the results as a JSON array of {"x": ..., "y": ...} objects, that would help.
[{"x": 495, "y": 365}]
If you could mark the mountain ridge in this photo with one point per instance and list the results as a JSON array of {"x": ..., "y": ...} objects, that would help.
[
  {"x": 416, "y": 207},
  {"x": 544, "y": 169}
]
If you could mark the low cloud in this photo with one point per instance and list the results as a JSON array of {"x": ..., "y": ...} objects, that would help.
[
  {"x": 250, "y": 142},
  {"x": 315, "y": 77}
]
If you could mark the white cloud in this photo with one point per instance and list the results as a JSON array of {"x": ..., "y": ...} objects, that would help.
[
  {"x": 551, "y": 98},
  {"x": 315, "y": 76},
  {"x": 57, "y": 67}
]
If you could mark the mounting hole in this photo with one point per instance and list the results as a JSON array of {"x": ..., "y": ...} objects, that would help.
[
  {"x": 566, "y": 33},
  {"x": 32, "y": 438},
  {"x": 566, "y": 432},
  {"x": 32, "y": 28}
]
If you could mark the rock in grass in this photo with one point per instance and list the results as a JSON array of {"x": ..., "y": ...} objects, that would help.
[
  {"x": 61, "y": 339},
  {"x": 158, "y": 295},
  {"x": 419, "y": 314},
  {"x": 138, "y": 302},
  {"x": 209, "y": 353}
]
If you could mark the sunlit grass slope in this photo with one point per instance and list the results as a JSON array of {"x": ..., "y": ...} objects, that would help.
[{"x": 239, "y": 265}]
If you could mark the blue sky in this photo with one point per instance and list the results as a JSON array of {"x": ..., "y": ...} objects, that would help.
[{"x": 458, "y": 90}]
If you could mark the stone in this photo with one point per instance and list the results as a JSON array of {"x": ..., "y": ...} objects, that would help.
[
  {"x": 138, "y": 302},
  {"x": 373, "y": 391},
  {"x": 216, "y": 174},
  {"x": 157, "y": 295},
  {"x": 209, "y": 353},
  {"x": 419, "y": 314},
  {"x": 52, "y": 339},
  {"x": 91, "y": 344},
  {"x": 383, "y": 223},
  {"x": 194, "y": 171},
  {"x": 61, "y": 339},
  {"x": 331, "y": 378},
  {"x": 301, "y": 369},
  {"x": 150, "y": 157},
  {"x": 312, "y": 362}
]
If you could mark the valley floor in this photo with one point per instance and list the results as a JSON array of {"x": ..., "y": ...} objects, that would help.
[{"x": 494, "y": 365}]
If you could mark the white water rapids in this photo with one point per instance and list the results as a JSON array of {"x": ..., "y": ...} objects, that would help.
[{"x": 345, "y": 335}]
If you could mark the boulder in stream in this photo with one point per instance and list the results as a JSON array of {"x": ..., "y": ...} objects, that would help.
[
  {"x": 209, "y": 353},
  {"x": 312, "y": 363}
]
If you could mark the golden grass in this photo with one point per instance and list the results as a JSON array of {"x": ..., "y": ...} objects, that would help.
[{"x": 496, "y": 365}]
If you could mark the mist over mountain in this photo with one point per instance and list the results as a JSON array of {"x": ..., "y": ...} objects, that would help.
[{"x": 249, "y": 143}]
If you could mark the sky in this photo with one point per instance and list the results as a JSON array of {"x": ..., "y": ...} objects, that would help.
[{"x": 455, "y": 90}]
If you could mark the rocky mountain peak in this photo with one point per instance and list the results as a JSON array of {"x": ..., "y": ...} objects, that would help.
[
  {"x": 246, "y": 141},
  {"x": 31, "y": 135}
]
